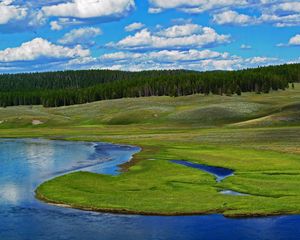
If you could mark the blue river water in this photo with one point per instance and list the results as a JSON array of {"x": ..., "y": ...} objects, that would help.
[
  {"x": 24, "y": 164},
  {"x": 219, "y": 172}
]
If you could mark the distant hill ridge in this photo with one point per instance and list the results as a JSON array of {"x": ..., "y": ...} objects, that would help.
[{"x": 53, "y": 89}]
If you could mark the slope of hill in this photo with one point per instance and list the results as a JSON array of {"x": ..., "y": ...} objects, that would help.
[{"x": 275, "y": 108}]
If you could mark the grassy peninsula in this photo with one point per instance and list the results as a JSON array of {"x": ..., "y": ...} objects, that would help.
[{"x": 257, "y": 135}]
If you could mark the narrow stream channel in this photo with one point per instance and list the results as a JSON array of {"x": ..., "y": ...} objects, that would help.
[{"x": 220, "y": 174}]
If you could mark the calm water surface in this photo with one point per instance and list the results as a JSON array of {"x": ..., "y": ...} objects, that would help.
[
  {"x": 24, "y": 164},
  {"x": 219, "y": 172}
]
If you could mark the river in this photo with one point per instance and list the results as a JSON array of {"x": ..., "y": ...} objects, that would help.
[{"x": 24, "y": 164}]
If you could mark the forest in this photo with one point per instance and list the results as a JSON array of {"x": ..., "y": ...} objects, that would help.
[{"x": 63, "y": 88}]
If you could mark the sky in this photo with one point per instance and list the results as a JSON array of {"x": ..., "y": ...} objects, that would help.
[{"x": 136, "y": 35}]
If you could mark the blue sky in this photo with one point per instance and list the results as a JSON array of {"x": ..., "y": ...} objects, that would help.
[{"x": 38, "y": 35}]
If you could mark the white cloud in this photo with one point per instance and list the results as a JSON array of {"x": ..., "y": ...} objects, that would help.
[
  {"x": 80, "y": 36},
  {"x": 55, "y": 26},
  {"x": 21, "y": 15},
  {"x": 181, "y": 30},
  {"x": 260, "y": 60},
  {"x": 176, "y": 37},
  {"x": 196, "y": 6},
  {"x": 134, "y": 26},
  {"x": 246, "y": 47},
  {"x": 27, "y": 57},
  {"x": 165, "y": 59},
  {"x": 120, "y": 56},
  {"x": 288, "y": 6},
  {"x": 165, "y": 55},
  {"x": 280, "y": 13},
  {"x": 41, "y": 48},
  {"x": 25, "y": 15},
  {"x": 193, "y": 59},
  {"x": 155, "y": 10},
  {"x": 61, "y": 23},
  {"x": 223, "y": 64},
  {"x": 232, "y": 17},
  {"x": 295, "y": 41},
  {"x": 286, "y": 20},
  {"x": 181, "y": 21},
  {"x": 90, "y": 8},
  {"x": 10, "y": 12}
]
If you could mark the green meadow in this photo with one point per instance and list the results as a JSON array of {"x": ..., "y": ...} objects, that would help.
[{"x": 256, "y": 135}]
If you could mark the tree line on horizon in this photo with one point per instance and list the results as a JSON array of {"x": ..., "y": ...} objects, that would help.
[{"x": 63, "y": 88}]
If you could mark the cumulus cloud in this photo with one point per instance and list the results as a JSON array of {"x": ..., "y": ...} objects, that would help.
[
  {"x": 260, "y": 60},
  {"x": 280, "y": 13},
  {"x": 286, "y": 20},
  {"x": 90, "y": 8},
  {"x": 175, "y": 37},
  {"x": 193, "y": 59},
  {"x": 17, "y": 16},
  {"x": 181, "y": 30},
  {"x": 165, "y": 59},
  {"x": 26, "y": 15},
  {"x": 61, "y": 23},
  {"x": 288, "y": 7},
  {"x": 195, "y": 6},
  {"x": 295, "y": 41},
  {"x": 81, "y": 36},
  {"x": 40, "y": 48},
  {"x": 165, "y": 55},
  {"x": 55, "y": 26},
  {"x": 134, "y": 26},
  {"x": 28, "y": 56},
  {"x": 11, "y": 12},
  {"x": 232, "y": 17},
  {"x": 183, "y": 45}
]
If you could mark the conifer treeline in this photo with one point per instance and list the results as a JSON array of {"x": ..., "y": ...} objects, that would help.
[{"x": 76, "y": 87}]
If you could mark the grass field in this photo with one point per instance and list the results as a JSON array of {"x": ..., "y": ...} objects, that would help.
[{"x": 256, "y": 135}]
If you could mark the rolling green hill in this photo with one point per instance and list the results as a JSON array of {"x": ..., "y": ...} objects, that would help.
[{"x": 275, "y": 108}]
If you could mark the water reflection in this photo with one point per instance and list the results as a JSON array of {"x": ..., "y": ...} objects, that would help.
[
  {"x": 24, "y": 164},
  {"x": 10, "y": 193},
  {"x": 40, "y": 156}
]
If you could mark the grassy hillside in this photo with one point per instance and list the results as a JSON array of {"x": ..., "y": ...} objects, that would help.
[{"x": 257, "y": 135}]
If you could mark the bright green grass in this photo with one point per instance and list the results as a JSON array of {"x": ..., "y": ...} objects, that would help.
[{"x": 256, "y": 135}]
